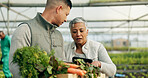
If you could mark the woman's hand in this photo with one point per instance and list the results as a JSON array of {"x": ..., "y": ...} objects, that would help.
[{"x": 96, "y": 63}]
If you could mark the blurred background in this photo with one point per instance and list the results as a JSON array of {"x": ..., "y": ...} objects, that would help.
[{"x": 121, "y": 25}]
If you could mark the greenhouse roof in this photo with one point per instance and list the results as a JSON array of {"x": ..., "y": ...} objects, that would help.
[
  {"x": 101, "y": 14},
  {"x": 76, "y": 3}
]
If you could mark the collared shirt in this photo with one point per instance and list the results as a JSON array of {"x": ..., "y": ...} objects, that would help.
[{"x": 95, "y": 51}]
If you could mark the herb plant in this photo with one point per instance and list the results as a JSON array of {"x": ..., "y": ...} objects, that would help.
[
  {"x": 92, "y": 71},
  {"x": 35, "y": 63}
]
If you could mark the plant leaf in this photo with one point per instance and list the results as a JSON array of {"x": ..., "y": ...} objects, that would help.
[{"x": 49, "y": 69}]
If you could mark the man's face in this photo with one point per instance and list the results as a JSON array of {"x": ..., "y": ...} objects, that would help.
[
  {"x": 79, "y": 33},
  {"x": 62, "y": 15},
  {"x": 1, "y": 35}
]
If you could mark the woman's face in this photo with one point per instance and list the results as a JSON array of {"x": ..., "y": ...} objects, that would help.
[{"x": 79, "y": 33}]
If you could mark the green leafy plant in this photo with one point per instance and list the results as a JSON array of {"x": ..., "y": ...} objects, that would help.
[
  {"x": 130, "y": 58},
  {"x": 91, "y": 70},
  {"x": 30, "y": 59},
  {"x": 35, "y": 63},
  {"x": 55, "y": 66}
]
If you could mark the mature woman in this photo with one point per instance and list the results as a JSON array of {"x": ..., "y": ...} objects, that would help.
[{"x": 85, "y": 48}]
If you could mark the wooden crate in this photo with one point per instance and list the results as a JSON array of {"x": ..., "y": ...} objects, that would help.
[
  {"x": 67, "y": 76},
  {"x": 76, "y": 76}
]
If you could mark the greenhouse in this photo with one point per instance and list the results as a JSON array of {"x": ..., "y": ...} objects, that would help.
[{"x": 120, "y": 25}]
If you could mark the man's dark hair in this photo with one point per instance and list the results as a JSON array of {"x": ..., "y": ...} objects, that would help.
[
  {"x": 68, "y": 2},
  {"x": 54, "y": 2},
  {"x": 1, "y": 31}
]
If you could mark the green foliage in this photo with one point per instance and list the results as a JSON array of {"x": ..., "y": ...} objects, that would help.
[
  {"x": 126, "y": 49},
  {"x": 89, "y": 68},
  {"x": 2, "y": 74},
  {"x": 54, "y": 64},
  {"x": 30, "y": 59},
  {"x": 35, "y": 63},
  {"x": 136, "y": 75},
  {"x": 1, "y": 66},
  {"x": 132, "y": 67},
  {"x": 130, "y": 58},
  {"x": 131, "y": 61}
]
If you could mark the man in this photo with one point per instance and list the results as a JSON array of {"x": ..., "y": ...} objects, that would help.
[
  {"x": 5, "y": 47},
  {"x": 41, "y": 31}
]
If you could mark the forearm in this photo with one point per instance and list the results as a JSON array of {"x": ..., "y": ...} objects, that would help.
[{"x": 108, "y": 68}]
